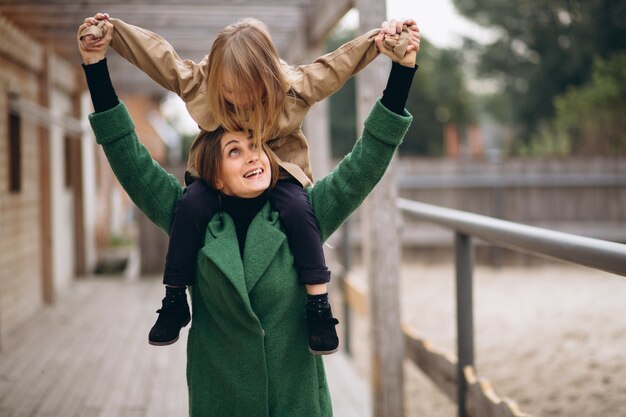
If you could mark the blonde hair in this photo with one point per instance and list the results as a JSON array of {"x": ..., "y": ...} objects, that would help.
[{"x": 244, "y": 58}]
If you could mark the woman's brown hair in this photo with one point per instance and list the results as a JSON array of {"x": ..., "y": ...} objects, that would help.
[
  {"x": 243, "y": 59},
  {"x": 209, "y": 157}
]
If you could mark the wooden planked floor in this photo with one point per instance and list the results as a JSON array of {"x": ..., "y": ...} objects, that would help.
[{"x": 88, "y": 356}]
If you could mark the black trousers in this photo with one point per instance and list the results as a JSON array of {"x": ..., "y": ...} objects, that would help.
[{"x": 200, "y": 202}]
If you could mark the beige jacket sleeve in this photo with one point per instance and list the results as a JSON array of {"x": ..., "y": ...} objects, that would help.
[
  {"x": 156, "y": 57},
  {"x": 316, "y": 81}
]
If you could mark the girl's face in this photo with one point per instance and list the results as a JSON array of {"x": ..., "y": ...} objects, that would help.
[
  {"x": 233, "y": 98},
  {"x": 233, "y": 93},
  {"x": 245, "y": 170}
]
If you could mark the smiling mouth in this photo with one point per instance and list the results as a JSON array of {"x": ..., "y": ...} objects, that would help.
[{"x": 254, "y": 173}]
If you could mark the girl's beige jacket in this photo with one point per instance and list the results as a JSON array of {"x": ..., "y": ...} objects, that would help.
[{"x": 308, "y": 84}]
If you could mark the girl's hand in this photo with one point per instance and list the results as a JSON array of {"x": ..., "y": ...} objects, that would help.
[
  {"x": 414, "y": 35},
  {"x": 91, "y": 49},
  {"x": 393, "y": 29}
]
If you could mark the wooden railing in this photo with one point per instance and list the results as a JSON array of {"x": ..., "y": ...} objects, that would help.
[{"x": 456, "y": 376}]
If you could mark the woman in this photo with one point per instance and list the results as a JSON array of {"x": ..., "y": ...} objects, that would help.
[
  {"x": 247, "y": 352},
  {"x": 242, "y": 84}
]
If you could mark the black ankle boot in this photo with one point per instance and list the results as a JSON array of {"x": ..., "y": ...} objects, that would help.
[
  {"x": 323, "y": 338},
  {"x": 173, "y": 316}
]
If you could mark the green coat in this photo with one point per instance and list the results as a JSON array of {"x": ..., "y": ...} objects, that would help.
[{"x": 247, "y": 351}]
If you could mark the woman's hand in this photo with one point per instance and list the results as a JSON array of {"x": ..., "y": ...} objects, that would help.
[
  {"x": 92, "y": 49},
  {"x": 393, "y": 29}
]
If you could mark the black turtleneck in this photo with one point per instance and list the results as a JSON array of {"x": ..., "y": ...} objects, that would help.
[{"x": 242, "y": 210}]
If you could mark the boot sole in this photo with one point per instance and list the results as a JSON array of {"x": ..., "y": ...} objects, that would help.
[
  {"x": 168, "y": 342},
  {"x": 323, "y": 352}
]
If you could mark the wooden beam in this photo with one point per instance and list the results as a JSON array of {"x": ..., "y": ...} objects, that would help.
[
  {"x": 181, "y": 40},
  {"x": 154, "y": 11},
  {"x": 19, "y": 47},
  {"x": 440, "y": 367},
  {"x": 482, "y": 401},
  {"x": 323, "y": 18},
  {"x": 141, "y": 3},
  {"x": 45, "y": 188},
  {"x": 80, "y": 238},
  {"x": 356, "y": 295}
]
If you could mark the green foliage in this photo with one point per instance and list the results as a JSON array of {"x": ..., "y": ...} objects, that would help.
[
  {"x": 438, "y": 96},
  {"x": 589, "y": 119},
  {"x": 542, "y": 48},
  {"x": 342, "y": 106}
]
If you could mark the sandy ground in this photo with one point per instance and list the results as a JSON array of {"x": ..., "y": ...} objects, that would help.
[{"x": 552, "y": 338}]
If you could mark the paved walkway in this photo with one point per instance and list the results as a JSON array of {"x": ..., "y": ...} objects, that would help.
[{"x": 87, "y": 356}]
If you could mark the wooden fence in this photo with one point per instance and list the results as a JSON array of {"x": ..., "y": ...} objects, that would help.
[{"x": 456, "y": 377}]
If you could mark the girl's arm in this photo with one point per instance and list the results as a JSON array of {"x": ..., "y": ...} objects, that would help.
[
  {"x": 316, "y": 81},
  {"x": 337, "y": 195},
  {"x": 326, "y": 75},
  {"x": 156, "y": 57},
  {"x": 153, "y": 55}
]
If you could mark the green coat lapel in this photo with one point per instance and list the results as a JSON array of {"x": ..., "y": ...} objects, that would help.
[
  {"x": 222, "y": 249},
  {"x": 262, "y": 243}
]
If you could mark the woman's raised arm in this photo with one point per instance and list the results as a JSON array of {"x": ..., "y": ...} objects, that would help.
[
  {"x": 152, "y": 189},
  {"x": 341, "y": 192},
  {"x": 337, "y": 195}
]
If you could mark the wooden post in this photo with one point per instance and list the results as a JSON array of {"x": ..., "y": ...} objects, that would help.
[
  {"x": 45, "y": 186},
  {"x": 317, "y": 128},
  {"x": 381, "y": 246},
  {"x": 464, "y": 313},
  {"x": 80, "y": 260}
]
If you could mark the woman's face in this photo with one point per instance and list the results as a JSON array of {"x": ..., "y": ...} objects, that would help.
[{"x": 245, "y": 170}]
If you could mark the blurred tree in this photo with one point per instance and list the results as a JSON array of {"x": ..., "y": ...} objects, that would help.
[
  {"x": 438, "y": 96},
  {"x": 543, "y": 47},
  {"x": 589, "y": 119},
  {"x": 342, "y": 104}
]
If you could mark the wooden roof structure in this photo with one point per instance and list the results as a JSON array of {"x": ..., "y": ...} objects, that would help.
[{"x": 189, "y": 25}]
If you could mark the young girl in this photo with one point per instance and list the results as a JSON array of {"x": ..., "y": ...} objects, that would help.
[{"x": 243, "y": 85}]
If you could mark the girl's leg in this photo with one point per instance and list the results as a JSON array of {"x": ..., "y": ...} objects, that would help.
[
  {"x": 193, "y": 212},
  {"x": 296, "y": 214}
]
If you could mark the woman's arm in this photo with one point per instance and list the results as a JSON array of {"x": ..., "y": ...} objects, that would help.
[
  {"x": 337, "y": 195},
  {"x": 150, "y": 187}
]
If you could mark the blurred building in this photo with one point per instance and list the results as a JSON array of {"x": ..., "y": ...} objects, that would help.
[
  {"x": 43, "y": 233},
  {"x": 61, "y": 208}
]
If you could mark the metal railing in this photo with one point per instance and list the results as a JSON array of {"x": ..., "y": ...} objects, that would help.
[{"x": 594, "y": 253}]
